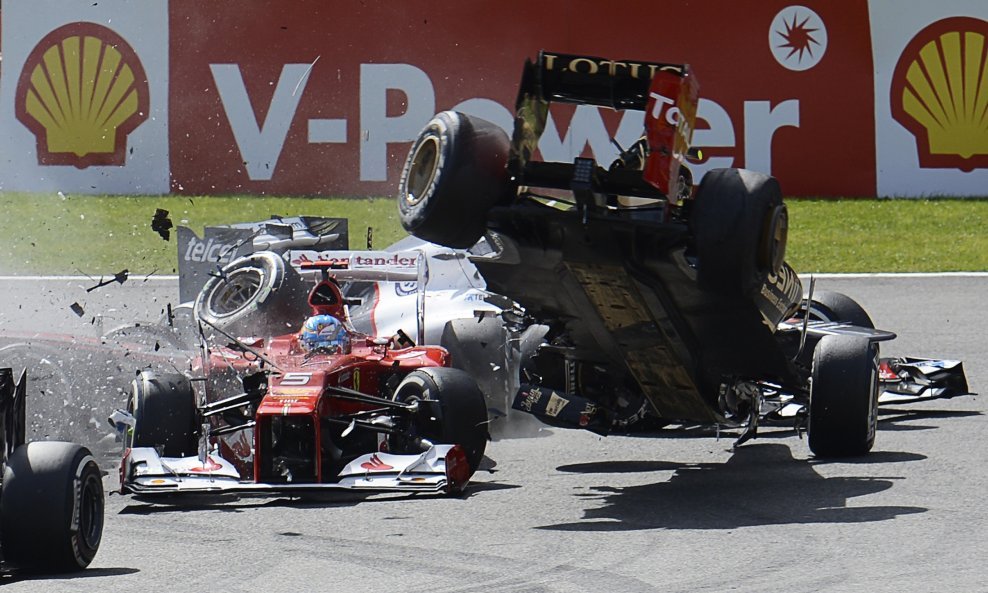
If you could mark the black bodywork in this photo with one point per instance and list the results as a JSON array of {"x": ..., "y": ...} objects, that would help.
[
  {"x": 647, "y": 313},
  {"x": 621, "y": 294}
]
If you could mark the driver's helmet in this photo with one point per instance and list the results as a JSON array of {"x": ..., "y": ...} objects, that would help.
[{"x": 325, "y": 332}]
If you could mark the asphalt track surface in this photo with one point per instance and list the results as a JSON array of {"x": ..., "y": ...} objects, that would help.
[{"x": 676, "y": 510}]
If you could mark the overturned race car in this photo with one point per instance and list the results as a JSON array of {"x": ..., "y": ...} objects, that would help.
[{"x": 658, "y": 302}]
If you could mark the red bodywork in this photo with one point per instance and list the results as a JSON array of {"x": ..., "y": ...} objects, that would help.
[
  {"x": 297, "y": 389},
  {"x": 669, "y": 119}
]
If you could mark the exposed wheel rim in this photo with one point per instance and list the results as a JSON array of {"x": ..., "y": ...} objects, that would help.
[
  {"x": 238, "y": 289},
  {"x": 422, "y": 170},
  {"x": 773, "y": 249},
  {"x": 419, "y": 426}
]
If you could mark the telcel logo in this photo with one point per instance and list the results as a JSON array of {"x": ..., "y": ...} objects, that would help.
[
  {"x": 938, "y": 93},
  {"x": 81, "y": 93},
  {"x": 209, "y": 251}
]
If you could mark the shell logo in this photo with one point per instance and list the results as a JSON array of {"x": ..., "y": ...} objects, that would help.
[
  {"x": 939, "y": 93},
  {"x": 81, "y": 93}
]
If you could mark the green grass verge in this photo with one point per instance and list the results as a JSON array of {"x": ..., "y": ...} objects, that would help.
[
  {"x": 945, "y": 235},
  {"x": 94, "y": 235},
  {"x": 51, "y": 234}
]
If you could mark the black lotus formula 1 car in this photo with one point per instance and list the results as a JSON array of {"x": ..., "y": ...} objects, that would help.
[{"x": 658, "y": 301}]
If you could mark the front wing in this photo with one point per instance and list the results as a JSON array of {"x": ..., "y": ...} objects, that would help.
[
  {"x": 907, "y": 379},
  {"x": 903, "y": 380},
  {"x": 437, "y": 470}
]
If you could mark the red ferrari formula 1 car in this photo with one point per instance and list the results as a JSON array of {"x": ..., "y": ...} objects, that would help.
[{"x": 321, "y": 408}]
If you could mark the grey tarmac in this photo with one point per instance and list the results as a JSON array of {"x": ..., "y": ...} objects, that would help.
[{"x": 562, "y": 511}]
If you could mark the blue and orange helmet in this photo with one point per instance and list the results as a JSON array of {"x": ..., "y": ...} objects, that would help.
[{"x": 325, "y": 332}]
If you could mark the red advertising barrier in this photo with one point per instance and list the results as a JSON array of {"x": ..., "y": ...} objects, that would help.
[{"x": 320, "y": 98}]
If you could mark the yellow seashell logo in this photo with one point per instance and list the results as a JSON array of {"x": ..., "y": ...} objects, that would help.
[
  {"x": 940, "y": 93},
  {"x": 82, "y": 92}
]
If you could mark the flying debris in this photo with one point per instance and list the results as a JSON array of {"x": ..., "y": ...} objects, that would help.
[
  {"x": 120, "y": 277},
  {"x": 160, "y": 223}
]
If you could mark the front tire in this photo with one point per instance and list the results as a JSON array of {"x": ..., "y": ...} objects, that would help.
[
  {"x": 51, "y": 508},
  {"x": 455, "y": 171},
  {"x": 843, "y": 396},
  {"x": 462, "y": 413},
  {"x": 164, "y": 409}
]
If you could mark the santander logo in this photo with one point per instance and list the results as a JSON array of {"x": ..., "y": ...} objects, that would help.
[
  {"x": 81, "y": 93},
  {"x": 938, "y": 93}
]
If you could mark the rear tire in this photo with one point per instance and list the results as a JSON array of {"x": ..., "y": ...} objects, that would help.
[
  {"x": 455, "y": 171},
  {"x": 740, "y": 228},
  {"x": 843, "y": 396},
  {"x": 462, "y": 416},
  {"x": 164, "y": 408},
  {"x": 255, "y": 295},
  {"x": 51, "y": 510}
]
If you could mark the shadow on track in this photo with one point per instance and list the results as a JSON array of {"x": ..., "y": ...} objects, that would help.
[
  {"x": 90, "y": 573},
  {"x": 897, "y": 419},
  {"x": 761, "y": 484}
]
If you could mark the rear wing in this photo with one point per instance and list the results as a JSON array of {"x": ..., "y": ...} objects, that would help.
[
  {"x": 667, "y": 93},
  {"x": 371, "y": 266},
  {"x": 199, "y": 258}
]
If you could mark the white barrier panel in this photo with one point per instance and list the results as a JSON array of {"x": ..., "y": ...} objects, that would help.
[
  {"x": 84, "y": 96},
  {"x": 931, "y": 97}
]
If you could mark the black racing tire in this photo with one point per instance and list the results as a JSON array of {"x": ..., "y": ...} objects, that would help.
[
  {"x": 164, "y": 408},
  {"x": 843, "y": 397},
  {"x": 828, "y": 305},
  {"x": 255, "y": 295},
  {"x": 462, "y": 412},
  {"x": 51, "y": 509},
  {"x": 455, "y": 172},
  {"x": 740, "y": 228}
]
